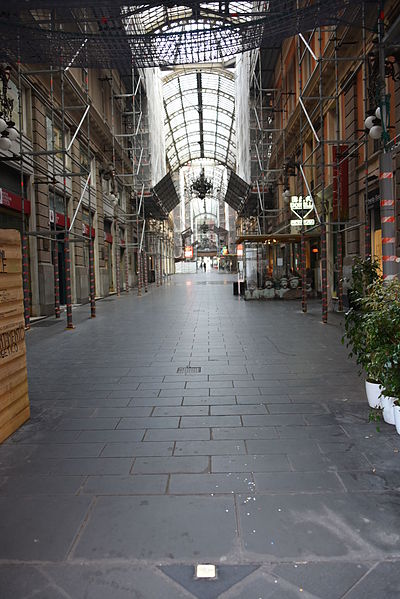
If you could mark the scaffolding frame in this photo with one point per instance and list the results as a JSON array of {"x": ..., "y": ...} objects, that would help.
[
  {"x": 56, "y": 169},
  {"x": 312, "y": 125},
  {"x": 266, "y": 133}
]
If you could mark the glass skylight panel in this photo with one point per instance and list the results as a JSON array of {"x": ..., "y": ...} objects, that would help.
[{"x": 182, "y": 107}]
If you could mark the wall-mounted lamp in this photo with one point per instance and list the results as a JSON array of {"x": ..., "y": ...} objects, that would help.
[{"x": 7, "y": 125}]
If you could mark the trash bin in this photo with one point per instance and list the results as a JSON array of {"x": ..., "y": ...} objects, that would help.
[{"x": 235, "y": 288}]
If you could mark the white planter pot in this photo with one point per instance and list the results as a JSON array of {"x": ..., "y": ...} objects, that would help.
[
  {"x": 373, "y": 391},
  {"x": 388, "y": 409},
  {"x": 396, "y": 410}
]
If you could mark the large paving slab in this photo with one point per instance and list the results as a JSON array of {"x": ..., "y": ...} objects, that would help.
[{"x": 262, "y": 457}]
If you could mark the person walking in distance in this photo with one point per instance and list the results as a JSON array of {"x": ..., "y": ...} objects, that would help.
[{"x": 205, "y": 267}]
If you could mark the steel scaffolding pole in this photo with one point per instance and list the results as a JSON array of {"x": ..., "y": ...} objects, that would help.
[
  {"x": 146, "y": 280},
  {"x": 66, "y": 231},
  {"x": 386, "y": 179},
  {"x": 25, "y": 268},
  {"x": 339, "y": 239},
  {"x": 367, "y": 229},
  {"x": 117, "y": 260},
  {"x": 53, "y": 225},
  {"x": 92, "y": 283},
  {"x": 324, "y": 274},
  {"x": 302, "y": 242}
]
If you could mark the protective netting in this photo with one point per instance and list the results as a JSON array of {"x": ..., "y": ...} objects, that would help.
[{"x": 95, "y": 33}]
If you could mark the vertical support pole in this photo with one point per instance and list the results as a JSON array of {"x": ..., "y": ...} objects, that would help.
[
  {"x": 339, "y": 240},
  {"x": 126, "y": 270},
  {"x": 386, "y": 179},
  {"x": 68, "y": 281},
  {"x": 68, "y": 295},
  {"x": 146, "y": 280},
  {"x": 388, "y": 218},
  {"x": 56, "y": 277},
  {"x": 25, "y": 268},
  {"x": 324, "y": 272},
  {"x": 367, "y": 228},
  {"x": 25, "y": 280},
  {"x": 156, "y": 261},
  {"x": 54, "y": 240},
  {"x": 303, "y": 241},
  {"x": 303, "y": 273},
  {"x": 139, "y": 265},
  {"x": 161, "y": 264},
  {"x": 340, "y": 268},
  {"x": 92, "y": 283},
  {"x": 117, "y": 264},
  {"x": 91, "y": 275}
]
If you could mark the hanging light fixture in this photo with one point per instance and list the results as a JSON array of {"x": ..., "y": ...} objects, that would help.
[
  {"x": 370, "y": 121},
  {"x": 376, "y": 132},
  {"x": 12, "y": 132},
  {"x": 374, "y": 124},
  {"x": 5, "y": 143},
  {"x": 3, "y": 124}
]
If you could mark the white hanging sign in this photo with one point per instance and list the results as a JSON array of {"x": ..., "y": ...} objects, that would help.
[{"x": 302, "y": 207}]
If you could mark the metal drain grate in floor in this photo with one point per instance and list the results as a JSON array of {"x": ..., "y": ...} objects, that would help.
[{"x": 188, "y": 370}]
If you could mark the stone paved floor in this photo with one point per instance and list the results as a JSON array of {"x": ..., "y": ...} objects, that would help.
[{"x": 263, "y": 463}]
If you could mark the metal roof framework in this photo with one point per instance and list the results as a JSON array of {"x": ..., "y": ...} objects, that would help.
[{"x": 150, "y": 34}]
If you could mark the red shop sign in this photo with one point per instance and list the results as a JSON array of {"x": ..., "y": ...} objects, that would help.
[
  {"x": 60, "y": 219},
  {"x": 85, "y": 230},
  {"x": 13, "y": 201}
]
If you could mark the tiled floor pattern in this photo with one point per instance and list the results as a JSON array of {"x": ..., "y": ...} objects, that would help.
[{"x": 265, "y": 458}]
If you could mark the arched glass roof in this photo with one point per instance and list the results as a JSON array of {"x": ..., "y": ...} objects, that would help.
[{"x": 200, "y": 116}]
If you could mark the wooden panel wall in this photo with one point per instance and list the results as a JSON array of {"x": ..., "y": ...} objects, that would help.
[{"x": 14, "y": 401}]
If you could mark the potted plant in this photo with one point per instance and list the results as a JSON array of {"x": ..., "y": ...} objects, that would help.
[
  {"x": 382, "y": 343},
  {"x": 364, "y": 274}
]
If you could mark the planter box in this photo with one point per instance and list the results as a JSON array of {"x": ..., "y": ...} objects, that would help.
[{"x": 14, "y": 401}]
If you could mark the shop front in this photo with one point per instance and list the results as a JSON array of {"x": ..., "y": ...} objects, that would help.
[{"x": 272, "y": 265}]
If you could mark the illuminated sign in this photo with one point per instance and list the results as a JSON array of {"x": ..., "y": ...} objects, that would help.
[
  {"x": 189, "y": 251},
  {"x": 240, "y": 250}
]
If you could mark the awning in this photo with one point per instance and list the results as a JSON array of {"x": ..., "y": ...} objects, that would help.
[{"x": 166, "y": 194}]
